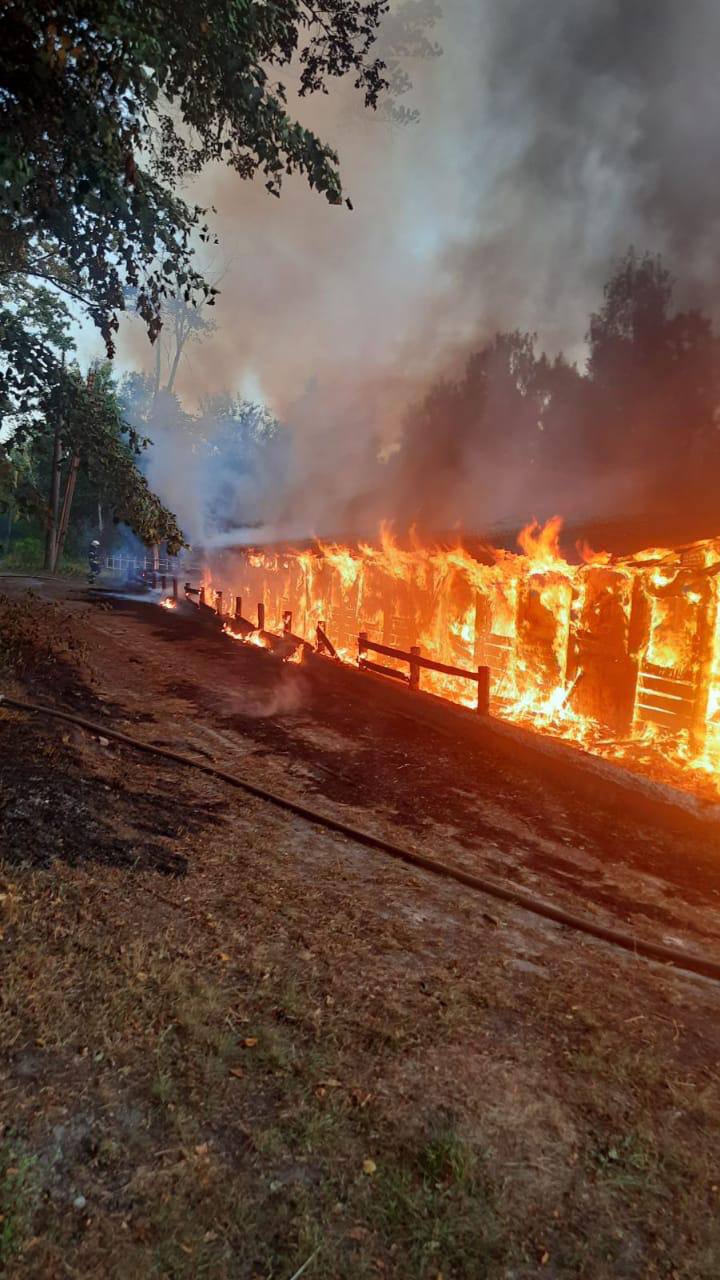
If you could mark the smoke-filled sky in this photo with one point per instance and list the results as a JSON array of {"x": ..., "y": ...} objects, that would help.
[{"x": 551, "y": 136}]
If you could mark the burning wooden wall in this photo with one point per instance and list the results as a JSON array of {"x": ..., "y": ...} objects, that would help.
[{"x": 620, "y": 654}]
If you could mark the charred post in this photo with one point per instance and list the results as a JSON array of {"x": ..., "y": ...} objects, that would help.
[
  {"x": 414, "y": 680},
  {"x": 483, "y": 698}
]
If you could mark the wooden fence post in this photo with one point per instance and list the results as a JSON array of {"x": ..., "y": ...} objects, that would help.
[
  {"x": 287, "y": 621},
  {"x": 483, "y": 702},
  {"x": 261, "y": 616},
  {"x": 175, "y": 588},
  {"x": 219, "y": 602},
  {"x": 201, "y": 597},
  {"x": 238, "y": 606},
  {"x": 414, "y": 682}
]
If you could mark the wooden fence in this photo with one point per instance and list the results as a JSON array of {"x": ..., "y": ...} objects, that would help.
[
  {"x": 414, "y": 658},
  {"x": 418, "y": 663}
]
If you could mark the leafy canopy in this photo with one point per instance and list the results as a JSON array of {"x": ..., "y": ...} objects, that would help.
[{"x": 108, "y": 106}]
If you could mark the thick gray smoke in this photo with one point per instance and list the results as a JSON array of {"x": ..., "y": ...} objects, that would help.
[{"x": 550, "y": 137}]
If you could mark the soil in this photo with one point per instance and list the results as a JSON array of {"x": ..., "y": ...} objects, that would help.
[{"x": 244, "y": 1042}]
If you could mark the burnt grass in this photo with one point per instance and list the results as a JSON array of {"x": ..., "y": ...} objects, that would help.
[
  {"x": 51, "y": 807},
  {"x": 232, "y": 1045}
]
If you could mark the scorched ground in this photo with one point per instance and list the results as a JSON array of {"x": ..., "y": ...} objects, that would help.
[{"x": 233, "y": 1042}]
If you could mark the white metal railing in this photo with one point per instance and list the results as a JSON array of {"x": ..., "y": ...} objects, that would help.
[{"x": 137, "y": 565}]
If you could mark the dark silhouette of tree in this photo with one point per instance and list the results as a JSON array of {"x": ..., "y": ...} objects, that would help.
[
  {"x": 655, "y": 376},
  {"x": 644, "y": 413}
]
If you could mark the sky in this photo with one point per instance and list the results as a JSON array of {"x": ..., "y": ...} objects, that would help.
[{"x": 550, "y": 138}]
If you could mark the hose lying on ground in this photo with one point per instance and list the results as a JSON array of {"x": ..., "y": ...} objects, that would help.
[{"x": 691, "y": 963}]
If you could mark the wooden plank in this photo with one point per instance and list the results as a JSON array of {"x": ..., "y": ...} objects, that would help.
[
  {"x": 663, "y": 684},
  {"x": 667, "y": 719},
  {"x": 365, "y": 665},
  {"x": 386, "y": 649},
  {"x": 664, "y": 701},
  {"x": 445, "y": 669},
  {"x": 427, "y": 664}
]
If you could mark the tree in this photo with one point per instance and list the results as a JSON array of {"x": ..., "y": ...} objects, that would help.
[
  {"x": 183, "y": 324},
  {"x": 92, "y": 439},
  {"x": 34, "y": 339},
  {"x": 655, "y": 375},
  {"x": 245, "y": 459},
  {"x": 404, "y": 39},
  {"x": 108, "y": 106}
]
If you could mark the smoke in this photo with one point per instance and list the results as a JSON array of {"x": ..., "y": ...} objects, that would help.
[
  {"x": 287, "y": 697},
  {"x": 550, "y": 137}
]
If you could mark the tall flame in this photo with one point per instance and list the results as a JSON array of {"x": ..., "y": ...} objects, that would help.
[{"x": 621, "y": 655}]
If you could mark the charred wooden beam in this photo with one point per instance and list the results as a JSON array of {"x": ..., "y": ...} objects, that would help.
[
  {"x": 261, "y": 616},
  {"x": 324, "y": 645}
]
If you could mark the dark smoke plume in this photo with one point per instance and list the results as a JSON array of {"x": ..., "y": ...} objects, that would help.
[{"x": 549, "y": 138}]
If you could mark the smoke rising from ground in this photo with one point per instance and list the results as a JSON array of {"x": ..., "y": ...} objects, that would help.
[{"x": 550, "y": 138}]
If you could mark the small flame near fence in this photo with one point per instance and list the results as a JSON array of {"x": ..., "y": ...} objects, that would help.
[{"x": 619, "y": 655}]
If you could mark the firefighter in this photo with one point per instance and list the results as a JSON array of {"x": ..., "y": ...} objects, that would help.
[{"x": 94, "y": 559}]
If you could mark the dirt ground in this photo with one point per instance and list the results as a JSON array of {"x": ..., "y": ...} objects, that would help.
[{"x": 235, "y": 1044}]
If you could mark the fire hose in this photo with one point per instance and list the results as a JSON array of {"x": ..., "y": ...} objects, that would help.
[{"x": 688, "y": 961}]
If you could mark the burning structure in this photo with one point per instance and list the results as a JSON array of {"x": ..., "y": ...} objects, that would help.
[{"x": 618, "y": 654}]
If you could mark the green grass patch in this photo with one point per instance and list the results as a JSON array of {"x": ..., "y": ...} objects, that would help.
[{"x": 18, "y": 1197}]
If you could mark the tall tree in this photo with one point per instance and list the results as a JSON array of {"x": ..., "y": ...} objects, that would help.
[
  {"x": 96, "y": 442},
  {"x": 655, "y": 374}
]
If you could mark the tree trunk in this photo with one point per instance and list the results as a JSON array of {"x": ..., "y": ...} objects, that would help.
[
  {"x": 54, "y": 503},
  {"x": 10, "y": 522},
  {"x": 100, "y": 516},
  {"x": 65, "y": 513},
  {"x": 179, "y": 344},
  {"x": 158, "y": 366}
]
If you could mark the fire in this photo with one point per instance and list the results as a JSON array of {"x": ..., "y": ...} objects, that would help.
[
  {"x": 256, "y": 638},
  {"x": 169, "y": 603},
  {"x": 619, "y": 655}
]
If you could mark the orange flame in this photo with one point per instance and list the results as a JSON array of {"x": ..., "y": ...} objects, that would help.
[{"x": 621, "y": 656}]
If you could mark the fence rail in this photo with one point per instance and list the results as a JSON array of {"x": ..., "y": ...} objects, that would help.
[{"x": 417, "y": 663}]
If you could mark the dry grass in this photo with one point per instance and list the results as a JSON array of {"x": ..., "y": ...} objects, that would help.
[
  {"x": 296, "y": 1052},
  {"x": 214, "y": 1093}
]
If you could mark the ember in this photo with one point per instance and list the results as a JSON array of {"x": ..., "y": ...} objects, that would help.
[
  {"x": 619, "y": 655},
  {"x": 169, "y": 603},
  {"x": 251, "y": 637}
]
